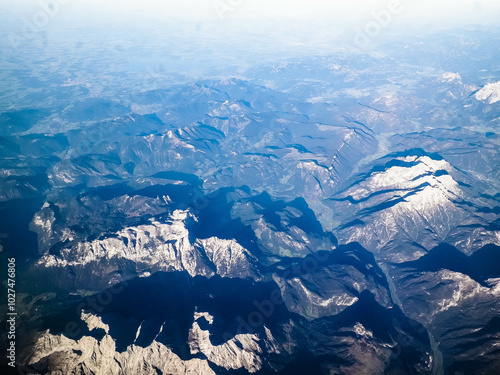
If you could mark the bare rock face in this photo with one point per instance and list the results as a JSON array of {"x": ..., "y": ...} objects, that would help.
[
  {"x": 316, "y": 286},
  {"x": 89, "y": 355},
  {"x": 143, "y": 250},
  {"x": 174, "y": 323},
  {"x": 242, "y": 351}
]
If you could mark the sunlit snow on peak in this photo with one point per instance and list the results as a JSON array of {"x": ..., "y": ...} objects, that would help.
[{"x": 489, "y": 93}]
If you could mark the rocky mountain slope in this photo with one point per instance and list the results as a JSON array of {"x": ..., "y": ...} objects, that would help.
[{"x": 323, "y": 215}]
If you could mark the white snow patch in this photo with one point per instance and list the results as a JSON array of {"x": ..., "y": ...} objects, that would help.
[
  {"x": 490, "y": 93},
  {"x": 495, "y": 285},
  {"x": 465, "y": 288},
  {"x": 362, "y": 331},
  {"x": 450, "y": 77}
]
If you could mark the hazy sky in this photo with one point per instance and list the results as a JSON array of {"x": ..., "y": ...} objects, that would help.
[
  {"x": 153, "y": 38},
  {"x": 458, "y": 11},
  {"x": 270, "y": 24}
]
